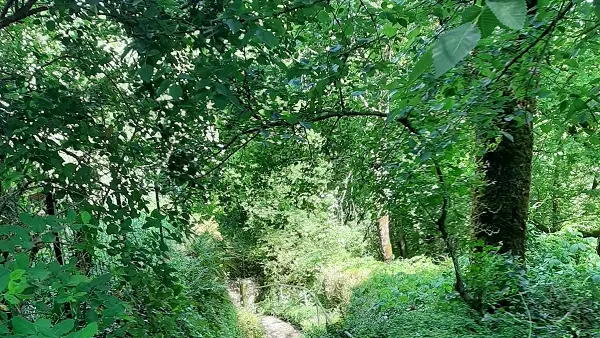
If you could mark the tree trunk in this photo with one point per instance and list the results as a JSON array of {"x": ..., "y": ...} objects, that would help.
[
  {"x": 56, "y": 245},
  {"x": 384, "y": 238},
  {"x": 501, "y": 203},
  {"x": 402, "y": 244}
]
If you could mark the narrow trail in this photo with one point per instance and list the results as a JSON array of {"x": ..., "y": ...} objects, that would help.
[
  {"x": 274, "y": 327},
  {"x": 277, "y": 328}
]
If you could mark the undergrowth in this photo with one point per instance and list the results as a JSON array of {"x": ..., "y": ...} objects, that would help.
[{"x": 558, "y": 296}]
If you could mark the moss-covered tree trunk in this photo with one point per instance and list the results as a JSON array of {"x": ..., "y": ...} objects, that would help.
[{"x": 501, "y": 202}]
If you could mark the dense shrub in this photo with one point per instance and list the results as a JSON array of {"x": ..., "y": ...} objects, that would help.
[
  {"x": 207, "y": 311},
  {"x": 555, "y": 296},
  {"x": 186, "y": 298},
  {"x": 249, "y": 325}
]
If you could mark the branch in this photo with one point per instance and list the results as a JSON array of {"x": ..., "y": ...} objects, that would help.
[
  {"x": 546, "y": 31},
  {"x": 228, "y": 157},
  {"x": 6, "y": 8},
  {"x": 326, "y": 114},
  {"x": 459, "y": 286},
  {"x": 22, "y": 13},
  {"x": 294, "y": 8}
]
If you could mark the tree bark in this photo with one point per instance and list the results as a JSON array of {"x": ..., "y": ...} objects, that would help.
[
  {"x": 501, "y": 204},
  {"x": 402, "y": 244},
  {"x": 384, "y": 238}
]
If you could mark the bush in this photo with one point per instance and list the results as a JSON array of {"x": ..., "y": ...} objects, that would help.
[
  {"x": 190, "y": 300},
  {"x": 200, "y": 269},
  {"x": 556, "y": 295},
  {"x": 249, "y": 325}
]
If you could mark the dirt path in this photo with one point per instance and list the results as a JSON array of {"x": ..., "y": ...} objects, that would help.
[{"x": 277, "y": 328}]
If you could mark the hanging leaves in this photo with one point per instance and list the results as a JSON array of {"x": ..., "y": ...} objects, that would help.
[
  {"x": 470, "y": 14},
  {"x": 146, "y": 72},
  {"x": 267, "y": 37},
  {"x": 511, "y": 13},
  {"x": 452, "y": 46},
  {"x": 421, "y": 66},
  {"x": 487, "y": 22},
  {"x": 234, "y": 25},
  {"x": 175, "y": 91}
]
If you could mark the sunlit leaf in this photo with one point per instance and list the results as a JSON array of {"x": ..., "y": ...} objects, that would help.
[
  {"x": 511, "y": 13},
  {"x": 451, "y": 47}
]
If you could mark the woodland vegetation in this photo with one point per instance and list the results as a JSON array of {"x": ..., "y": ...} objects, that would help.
[{"x": 378, "y": 168}]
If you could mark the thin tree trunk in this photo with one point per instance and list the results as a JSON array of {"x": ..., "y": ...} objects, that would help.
[
  {"x": 56, "y": 245},
  {"x": 402, "y": 244},
  {"x": 384, "y": 238},
  {"x": 50, "y": 211}
]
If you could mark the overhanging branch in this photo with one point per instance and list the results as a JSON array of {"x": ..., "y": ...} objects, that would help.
[{"x": 21, "y": 13}]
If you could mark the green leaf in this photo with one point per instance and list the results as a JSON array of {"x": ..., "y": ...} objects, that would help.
[
  {"x": 112, "y": 228},
  {"x": 511, "y": 13},
  {"x": 77, "y": 279},
  {"x": 267, "y": 37},
  {"x": 234, "y": 25},
  {"x": 25, "y": 218},
  {"x": 87, "y": 332},
  {"x": 22, "y": 260},
  {"x": 487, "y": 22},
  {"x": 389, "y": 30},
  {"x": 146, "y": 72},
  {"x": 38, "y": 224},
  {"x": 4, "y": 278},
  {"x": 39, "y": 271},
  {"x": 421, "y": 66},
  {"x": 470, "y": 14},
  {"x": 17, "y": 288},
  {"x": 163, "y": 87},
  {"x": 85, "y": 217},
  {"x": 22, "y": 326},
  {"x": 452, "y": 46},
  {"x": 176, "y": 91},
  {"x": 43, "y": 328},
  {"x": 597, "y": 7},
  {"x": 50, "y": 25},
  {"x": 17, "y": 274},
  {"x": 63, "y": 327},
  {"x": 546, "y": 128},
  {"x": 508, "y": 136},
  {"x": 11, "y": 299},
  {"x": 323, "y": 17}
]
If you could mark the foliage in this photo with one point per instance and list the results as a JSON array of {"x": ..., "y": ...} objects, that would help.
[
  {"x": 416, "y": 298},
  {"x": 295, "y": 124}
]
